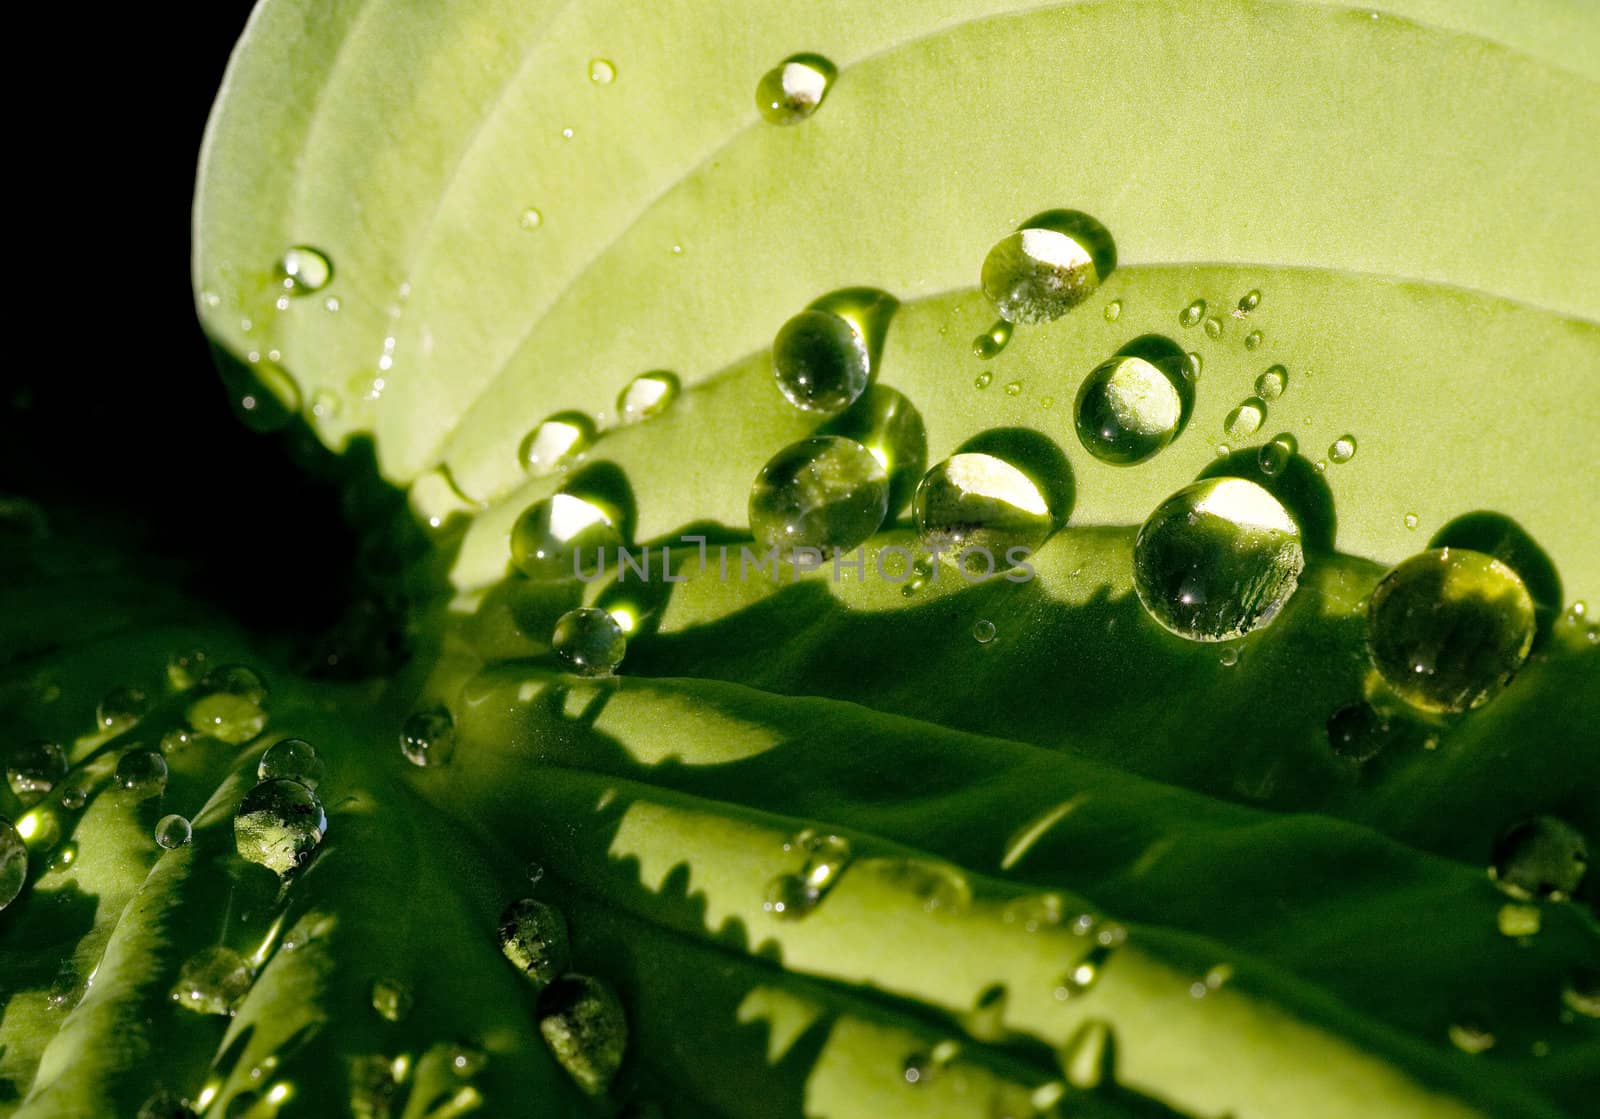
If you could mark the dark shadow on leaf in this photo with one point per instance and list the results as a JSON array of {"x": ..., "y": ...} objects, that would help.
[{"x": 1497, "y": 535}]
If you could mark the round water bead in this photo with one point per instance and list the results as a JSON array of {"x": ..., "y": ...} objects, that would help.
[
  {"x": 229, "y": 704},
  {"x": 1217, "y": 560},
  {"x": 1542, "y": 857},
  {"x": 1272, "y": 382},
  {"x": 583, "y": 1024},
  {"x": 303, "y": 270},
  {"x": 122, "y": 707},
  {"x": 555, "y": 442},
  {"x": 1193, "y": 313},
  {"x": 13, "y": 863},
  {"x": 291, "y": 757},
  {"x": 792, "y": 90},
  {"x": 981, "y": 502},
  {"x": 828, "y": 493},
  {"x": 1449, "y": 627},
  {"x": 428, "y": 736},
  {"x": 533, "y": 936},
  {"x": 1342, "y": 449},
  {"x": 1127, "y": 410},
  {"x": 552, "y": 536},
  {"x": 1052, "y": 263},
  {"x": 648, "y": 394},
  {"x": 142, "y": 773},
  {"x": 213, "y": 981},
  {"x": 821, "y": 361},
  {"x": 589, "y": 641},
  {"x": 1357, "y": 732},
  {"x": 1244, "y": 420},
  {"x": 1275, "y": 454},
  {"x": 173, "y": 831},
  {"x": 33, "y": 769},
  {"x": 279, "y": 825},
  {"x": 602, "y": 71},
  {"x": 185, "y": 669},
  {"x": 391, "y": 999}
]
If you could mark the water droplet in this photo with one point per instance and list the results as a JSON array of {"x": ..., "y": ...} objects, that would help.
[
  {"x": 229, "y": 705},
  {"x": 1127, "y": 410},
  {"x": 555, "y": 442},
  {"x": 792, "y": 90},
  {"x": 294, "y": 758},
  {"x": 1343, "y": 449},
  {"x": 1272, "y": 382},
  {"x": 1275, "y": 454},
  {"x": 428, "y": 737},
  {"x": 1213, "y": 327},
  {"x": 1217, "y": 560},
  {"x": 1581, "y": 994},
  {"x": 1542, "y": 857},
  {"x": 940, "y": 887},
  {"x": 989, "y": 344},
  {"x": 33, "y": 769},
  {"x": 589, "y": 642},
  {"x": 535, "y": 873},
  {"x": 566, "y": 133},
  {"x": 1113, "y": 310},
  {"x": 585, "y": 1029},
  {"x": 648, "y": 394},
  {"x": 552, "y": 536},
  {"x": 1052, "y": 263},
  {"x": 1471, "y": 1036},
  {"x": 1192, "y": 314},
  {"x": 1448, "y": 628},
  {"x": 602, "y": 71},
  {"x": 121, "y": 708},
  {"x": 979, "y": 507},
  {"x": 1252, "y": 341},
  {"x": 1228, "y": 657},
  {"x": 983, "y": 631},
  {"x": 1192, "y": 365},
  {"x": 926, "y": 1064},
  {"x": 213, "y": 981},
  {"x": 74, "y": 796},
  {"x": 530, "y": 219},
  {"x": 1088, "y": 1059},
  {"x": 177, "y": 739},
  {"x": 1034, "y": 911},
  {"x": 13, "y": 863},
  {"x": 1084, "y": 974},
  {"x": 303, "y": 270},
  {"x": 63, "y": 856},
  {"x": 392, "y": 999},
  {"x": 331, "y": 303},
  {"x": 1245, "y": 420},
  {"x": 1357, "y": 732},
  {"x": 279, "y": 825},
  {"x": 173, "y": 831},
  {"x": 983, "y": 380},
  {"x": 792, "y": 896},
  {"x": 1013, "y": 388},
  {"x": 143, "y": 773},
  {"x": 533, "y": 936},
  {"x": 827, "y": 493},
  {"x": 185, "y": 669},
  {"x": 1518, "y": 921},
  {"x": 821, "y": 361}
]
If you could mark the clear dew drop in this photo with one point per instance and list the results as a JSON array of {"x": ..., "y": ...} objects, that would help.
[
  {"x": 1035, "y": 911},
  {"x": 1342, "y": 449},
  {"x": 821, "y": 361},
  {"x": 1357, "y": 732},
  {"x": 584, "y": 1026},
  {"x": 1541, "y": 857},
  {"x": 1192, "y": 314},
  {"x": 428, "y": 737},
  {"x": 279, "y": 825},
  {"x": 983, "y": 631},
  {"x": 303, "y": 270},
  {"x": 1448, "y": 628},
  {"x": 793, "y": 896},
  {"x": 1581, "y": 992},
  {"x": 530, "y": 219},
  {"x": 229, "y": 704},
  {"x": 173, "y": 831},
  {"x": 1274, "y": 456},
  {"x": 1249, "y": 301},
  {"x": 647, "y": 395},
  {"x": 176, "y": 740},
  {"x": 1213, "y": 327},
  {"x": 533, "y": 936},
  {"x": 826, "y": 493},
  {"x": 213, "y": 981},
  {"x": 980, "y": 509},
  {"x": 391, "y": 999},
  {"x": 34, "y": 768},
  {"x": 1052, "y": 263},
  {"x": 1412, "y": 521},
  {"x": 122, "y": 707},
  {"x": 1014, "y": 388},
  {"x": 142, "y": 773},
  {"x": 294, "y": 758},
  {"x": 1083, "y": 975},
  {"x": 989, "y": 344},
  {"x": 1245, "y": 420},
  {"x": 983, "y": 380},
  {"x": 186, "y": 668},
  {"x": 589, "y": 642},
  {"x": 1193, "y": 365},
  {"x": 74, "y": 796},
  {"x": 554, "y": 535},
  {"x": 555, "y": 443},
  {"x": 1252, "y": 341},
  {"x": 1113, "y": 310},
  {"x": 13, "y": 863},
  {"x": 1127, "y": 410},
  {"x": 1228, "y": 657},
  {"x": 1273, "y": 380},
  {"x": 602, "y": 71},
  {"x": 1217, "y": 560},
  {"x": 794, "y": 89}
]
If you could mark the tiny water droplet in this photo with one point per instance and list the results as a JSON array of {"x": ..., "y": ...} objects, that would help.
[
  {"x": 1343, "y": 448},
  {"x": 280, "y": 824},
  {"x": 325, "y": 405},
  {"x": 1052, "y": 263},
  {"x": 303, "y": 270},
  {"x": 392, "y": 999},
  {"x": 1193, "y": 365},
  {"x": 602, "y": 71},
  {"x": 566, "y": 133},
  {"x": 331, "y": 303},
  {"x": 792, "y": 90},
  {"x": 1192, "y": 314},
  {"x": 13, "y": 863},
  {"x": 1013, "y": 388},
  {"x": 584, "y": 1027},
  {"x": 1245, "y": 420},
  {"x": 74, "y": 796},
  {"x": 792, "y": 896},
  {"x": 291, "y": 757},
  {"x": 122, "y": 707},
  {"x": 552, "y": 536},
  {"x": 1084, "y": 974},
  {"x": 589, "y": 642},
  {"x": 185, "y": 669},
  {"x": 33, "y": 769},
  {"x": 1250, "y": 301},
  {"x": 533, "y": 936},
  {"x": 1113, "y": 310},
  {"x": 177, "y": 739},
  {"x": 1274, "y": 456},
  {"x": 555, "y": 442},
  {"x": 1357, "y": 732},
  {"x": 1213, "y": 327},
  {"x": 1127, "y": 410},
  {"x": 173, "y": 831},
  {"x": 1228, "y": 657},
  {"x": 826, "y": 493},
  {"x": 989, "y": 344},
  {"x": 428, "y": 737},
  {"x": 530, "y": 219},
  {"x": 983, "y": 380},
  {"x": 1272, "y": 382},
  {"x": 981, "y": 511},
  {"x": 983, "y": 631},
  {"x": 143, "y": 773},
  {"x": 213, "y": 981},
  {"x": 927, "y": 1064},
  {"x": 1541, "y": 857},
  {"x": 647, "y": 395},
  {"x": 1252, "y": 341},
  {"x": 1034, "y": 911}
]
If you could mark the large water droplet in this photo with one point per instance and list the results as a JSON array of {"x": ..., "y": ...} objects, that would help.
[
  {"x": 792, "y": 896},
  {"x": 303, "y": 270},
  {"x": 589, "y": 642},
  {"x": 533, "y": 936},
  {"x": 647, "y": 395},
  {"x": 827, "y": 493},
  {"x": 821, "y": 361},
  {"x": 555, "y": 442},
  {"x": 1128, "y": 409},
  {"x": 33, "y": 769},
  {"x": 583, "y": 1024},
  {"x": 792, "y": 90},
  {"x": 982, "y": 510},
  {"x": 1448, "y": 628},
  {"x": 229, "y": 704},
  {"x": 555, "y": 534},
  {"x": 1246, "y": 419},
  {"x": 428, "y": 737},
  {"x": 392, "y": 999},
  {"x": 279, "y": 825},
  {"x": 122, "y": 707},
  {"x": 1272, "y": 382},
  {"x": 13, "y": 863},
  {"x": 1052, "y": 263},
  {"x": 1217, "y": 559},
  {"x": 173, "y": 831},
  {"x": 1542, "y": 857},
  {"x": 142, "y": 773},
  {"x": 294, "y": 758},
  {"x": 213, "y": 981}
]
